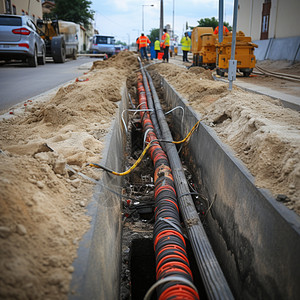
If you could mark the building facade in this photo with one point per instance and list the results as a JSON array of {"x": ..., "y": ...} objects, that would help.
[
  {"x": 265, "y": 19},
  {"x": 32, "y": 8}
]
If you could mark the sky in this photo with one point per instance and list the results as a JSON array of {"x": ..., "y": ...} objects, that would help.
[{"x": 124, "y": 18}]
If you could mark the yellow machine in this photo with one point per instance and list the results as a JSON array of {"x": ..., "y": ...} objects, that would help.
[
  {"x": 197, "y": 42},
  {"x": 209, "y": 53},
  {"x": 244, "y": 54},
  {"x": 207, "y": 57},
  {"x": 60, "y": 38}
]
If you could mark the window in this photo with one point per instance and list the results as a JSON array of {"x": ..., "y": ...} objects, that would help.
[
  {"x": 14, "y": 9},
  {"x": 10, "y": 21},
  {"x": 265, "y": 23},
  {"x": 8, "y": 6}
]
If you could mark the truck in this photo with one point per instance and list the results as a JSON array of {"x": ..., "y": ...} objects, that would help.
[{"x": 60, "y": 38}]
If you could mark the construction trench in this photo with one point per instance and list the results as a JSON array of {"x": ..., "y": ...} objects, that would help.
[{"x": 188, "y": 220}]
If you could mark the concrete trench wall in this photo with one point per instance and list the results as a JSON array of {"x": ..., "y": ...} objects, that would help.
[
  {"x": 255, "y": 238},
  {"x": 98, "y": 265}
]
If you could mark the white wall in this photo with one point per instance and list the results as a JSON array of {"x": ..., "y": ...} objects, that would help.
[{"x": 284, "y": 18}]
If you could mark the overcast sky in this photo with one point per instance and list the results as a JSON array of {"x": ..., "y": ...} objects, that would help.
[{"x": 123, "y": 18}]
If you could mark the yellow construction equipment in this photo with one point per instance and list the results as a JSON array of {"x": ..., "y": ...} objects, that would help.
[
  {"x": 60, "y": 38},
  {"x": 210, "y": 54},
  {"x": 197, "y": 42},
  {"x": 244, "y": 54}
]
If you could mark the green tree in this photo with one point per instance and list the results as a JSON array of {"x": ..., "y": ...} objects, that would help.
[
  {"x": 211, "y": 22},
  {"x": 77, "y": 11},
  {"x": 120, "y": 43},
  {"x": 154, "y": 33}
]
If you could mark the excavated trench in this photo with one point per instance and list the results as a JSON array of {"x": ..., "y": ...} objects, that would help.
[
  {"x": 138, "y": 205},
  {"x": 254, "y": 239}
]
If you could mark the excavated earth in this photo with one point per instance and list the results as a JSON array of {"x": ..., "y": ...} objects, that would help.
[{"x": 43, "y": 203}]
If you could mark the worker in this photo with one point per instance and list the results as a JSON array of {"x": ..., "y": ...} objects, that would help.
[
  {"x": 143, "y": 42},
  {"x": 185, "y": 46},
  {"x": 137, "y": 43},
  {"x": 225, "y": 30},
  {"x": 156, "y": 47},
  {"x": 166, "y": 44}
]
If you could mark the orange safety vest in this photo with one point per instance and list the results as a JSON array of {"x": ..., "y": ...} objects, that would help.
[
  {"x": 225, "y": 30},
  {"x": 143, "y": 41},
  {"x": 166, "y": 39}
]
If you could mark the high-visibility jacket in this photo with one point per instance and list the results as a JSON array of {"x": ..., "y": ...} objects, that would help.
[
  {"x": 225, "y": 30},
  {"x": 185, "y": 43},
  {"x": 157, "y": 45},
  {"x": 166, "y": 40},
  {"x": 143, "y": 41}
]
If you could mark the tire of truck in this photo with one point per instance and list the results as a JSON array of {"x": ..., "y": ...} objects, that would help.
[
  {"x": 33, "y": 61},
  {"x": 246, "y": 74},
  {"x": 74, "y": 54},
  {"x": 220, "y": 73},
  {"x": 58, "y": 49},
  {"x": 42, "y": 59}
]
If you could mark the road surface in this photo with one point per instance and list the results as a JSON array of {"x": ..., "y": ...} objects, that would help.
[{"x": 19, "y": 82}]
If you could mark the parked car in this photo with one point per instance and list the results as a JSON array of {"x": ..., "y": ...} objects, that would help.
[
  {"x": 19, "y": 40},
  {"x": 103, "y": 44},
  {"x": 119, "y": 48}
]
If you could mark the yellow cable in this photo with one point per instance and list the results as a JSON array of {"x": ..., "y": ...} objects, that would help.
[{"x": 144, "y": 152}]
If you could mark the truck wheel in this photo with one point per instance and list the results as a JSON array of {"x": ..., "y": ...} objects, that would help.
[
  {"x": 220, "y": 73},
  {"x": 42, "y": 59},
  {"x": 32, "y": 61},
  {"x": 58, "y": 49},
  {"x": 74, "y": 54},
  {"x": 246, "y": 74}
]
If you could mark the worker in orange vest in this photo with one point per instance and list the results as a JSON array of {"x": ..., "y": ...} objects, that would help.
[
  {"x": 143, "y": 42},
  {"x": 225, "y": 30},
  {"x": 166, "y": 44}
]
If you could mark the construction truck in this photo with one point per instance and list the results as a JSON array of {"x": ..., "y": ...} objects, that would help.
[
  {"x": 199, "y": 53},
  {"x": 210, "y": 54},
  {"x": 60, "y": 38},
  {"x": 244, "y": 54}
]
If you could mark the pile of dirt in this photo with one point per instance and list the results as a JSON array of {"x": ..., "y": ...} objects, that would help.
[
  {"x": 43, "y": 215},
  {"x": 263, "y": 134}
]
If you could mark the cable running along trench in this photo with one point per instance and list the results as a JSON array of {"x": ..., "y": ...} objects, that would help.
[
  {"x": 213, "y": 278},
  {"x": 169, "y": 243}
]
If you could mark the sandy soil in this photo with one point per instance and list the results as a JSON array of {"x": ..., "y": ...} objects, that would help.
[
  {"x": 263, "y": 134},
  {"x": 42, "y": 215}
]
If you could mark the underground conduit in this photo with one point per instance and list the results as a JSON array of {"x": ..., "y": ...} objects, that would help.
[
  {"x": 214, "y": 280},
  {"x": 169, "y": 242}
]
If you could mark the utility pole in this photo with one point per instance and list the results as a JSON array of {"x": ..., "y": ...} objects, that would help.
[
  {"x": 232, "y": 62},
  {"x": 173, "y": 20},
  {"x": 161, "y": 19},
  {"x": 221, "y": 6}
]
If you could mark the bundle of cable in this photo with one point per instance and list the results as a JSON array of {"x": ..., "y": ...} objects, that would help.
[{"x": 169, "y": 243}]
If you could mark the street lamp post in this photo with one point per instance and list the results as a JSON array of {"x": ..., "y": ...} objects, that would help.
[{"x": 143, "y": 14}]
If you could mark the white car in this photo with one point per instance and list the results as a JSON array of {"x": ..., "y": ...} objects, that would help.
[{"x": 19, "y": 40}]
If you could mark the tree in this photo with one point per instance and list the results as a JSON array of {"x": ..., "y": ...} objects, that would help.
[
  {"x": 120, "y": 43},
  {"x": 211, "y": 22},
  {"x": 77, "y": 11},
  {"x": 154, "y": 33}
]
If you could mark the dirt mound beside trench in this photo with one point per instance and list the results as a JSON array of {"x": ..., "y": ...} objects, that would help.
[
  {"x": 262, "y": 133},
  {"x": 42, "y": 214}
]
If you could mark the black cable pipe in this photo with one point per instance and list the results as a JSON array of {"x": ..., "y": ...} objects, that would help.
[
  {"x": 213, "y": 278},
  {"x": 169, "y": 242}
]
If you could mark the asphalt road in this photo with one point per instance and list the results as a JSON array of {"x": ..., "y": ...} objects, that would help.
[{"x": 19, "y": 82}]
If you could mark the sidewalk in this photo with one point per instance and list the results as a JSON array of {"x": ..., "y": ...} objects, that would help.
[{"x": 287, "y": 100}]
